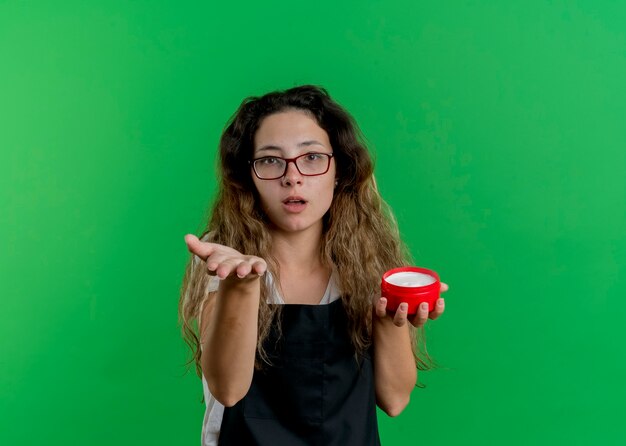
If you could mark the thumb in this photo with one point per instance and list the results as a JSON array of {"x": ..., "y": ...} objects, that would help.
[
  {"x": 199, "y": 248},
  {"x": 193, "y": 243}
]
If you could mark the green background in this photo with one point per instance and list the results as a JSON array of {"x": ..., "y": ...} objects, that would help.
[{"x": 499, "y": 133}]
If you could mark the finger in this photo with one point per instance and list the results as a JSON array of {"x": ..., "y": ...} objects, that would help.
[
  {"x": 220, "y": 258},
  {"x": 214, "y": 261},
  {"x": 444, "y": 287},
  {"x": 421, "y": 316},
  {"x": 381, "y": 307},
  {"x": 259, "y": 266},
  {"x": 201, "y": 249},
  {"x": 227, "y": 267},
  {"x": 211, "y": 266},
  {"x": 440, "y": 306},
  {"x": 399, "y": 319},
  {"x": 243, "y": 269}
]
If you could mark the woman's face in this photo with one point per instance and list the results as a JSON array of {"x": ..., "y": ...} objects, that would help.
[{"x": 295, "y": 202}]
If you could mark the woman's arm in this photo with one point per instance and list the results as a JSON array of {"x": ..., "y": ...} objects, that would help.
[
  {"x": 395, "y": 372},
  {"x": 229, "y": 320},
  {"x": 229, "y": 338}
]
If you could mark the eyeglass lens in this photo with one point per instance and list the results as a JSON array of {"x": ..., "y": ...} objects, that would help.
[{"x": 307, "y": 164}]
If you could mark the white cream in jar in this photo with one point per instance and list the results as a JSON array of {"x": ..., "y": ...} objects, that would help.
[{"x": 410, "y": 279}]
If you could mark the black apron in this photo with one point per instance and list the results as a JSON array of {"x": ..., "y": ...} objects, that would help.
[{"x": 315, "y": 392}]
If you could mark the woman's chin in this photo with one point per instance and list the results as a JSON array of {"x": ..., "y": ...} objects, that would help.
[{"x": 298, "y": 226}]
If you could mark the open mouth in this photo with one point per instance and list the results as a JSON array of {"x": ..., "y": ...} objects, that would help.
[{"x": 294, "y": 200}]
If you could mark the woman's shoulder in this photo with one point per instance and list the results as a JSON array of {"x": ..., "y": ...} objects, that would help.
[
  {"x": 214, "y": 284},
  {"x": 331, "y": 294}
]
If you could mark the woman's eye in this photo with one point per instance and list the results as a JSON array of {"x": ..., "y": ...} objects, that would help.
[
  {"x": 269, "y": 160},
  {"x": 313, "y": 157}
]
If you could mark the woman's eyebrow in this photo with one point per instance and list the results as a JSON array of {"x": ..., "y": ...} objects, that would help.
[
  {"x": 311, "y": 142},
  {"x": 267, "y": 147}
]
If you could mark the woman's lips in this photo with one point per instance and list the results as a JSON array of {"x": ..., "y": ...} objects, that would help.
[{"x": 294, "y": 204}]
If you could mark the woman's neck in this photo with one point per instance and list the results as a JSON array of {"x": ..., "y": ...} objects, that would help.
[{"x": 297, "y": 252}]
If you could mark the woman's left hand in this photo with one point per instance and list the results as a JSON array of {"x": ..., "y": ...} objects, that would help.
[{"x": 420, "y": 318}]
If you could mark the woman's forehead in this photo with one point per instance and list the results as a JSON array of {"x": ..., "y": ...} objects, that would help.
[{"x": 289, "y": 130}]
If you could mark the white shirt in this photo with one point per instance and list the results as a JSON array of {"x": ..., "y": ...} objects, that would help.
[{"x": 214, "y": 409}]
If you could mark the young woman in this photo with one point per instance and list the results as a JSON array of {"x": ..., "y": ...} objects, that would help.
[{"x": 294, "y": 343}]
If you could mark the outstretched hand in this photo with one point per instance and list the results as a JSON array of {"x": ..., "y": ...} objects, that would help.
[
  {"x": 419, "y": 319},
  {"x": 223, "y": 262}
]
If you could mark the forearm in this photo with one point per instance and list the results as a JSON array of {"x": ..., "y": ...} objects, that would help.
[
  {"x": 395, "y": 372},
  {"x": 229, "y": 344}
]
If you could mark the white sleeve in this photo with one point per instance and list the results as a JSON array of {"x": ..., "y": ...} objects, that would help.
[{"x": 213, "y": 285}]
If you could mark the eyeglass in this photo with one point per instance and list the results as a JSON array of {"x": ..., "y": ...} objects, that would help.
[{"x": 274, "y": 167}]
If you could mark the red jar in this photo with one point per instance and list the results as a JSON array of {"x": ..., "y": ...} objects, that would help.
[{"x": 412, "y": 285}]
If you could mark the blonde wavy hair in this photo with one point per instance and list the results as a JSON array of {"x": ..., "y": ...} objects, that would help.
[{"x": 360, "y": 235}]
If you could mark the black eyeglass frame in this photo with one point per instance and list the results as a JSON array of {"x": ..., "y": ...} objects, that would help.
[{"x": 292, "y": 160}]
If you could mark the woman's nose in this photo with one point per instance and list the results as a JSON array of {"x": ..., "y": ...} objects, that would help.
[{"x": 292, "y": 174}]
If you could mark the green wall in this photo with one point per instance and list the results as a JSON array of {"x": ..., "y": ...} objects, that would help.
[{"x": 498, "y": 129}]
